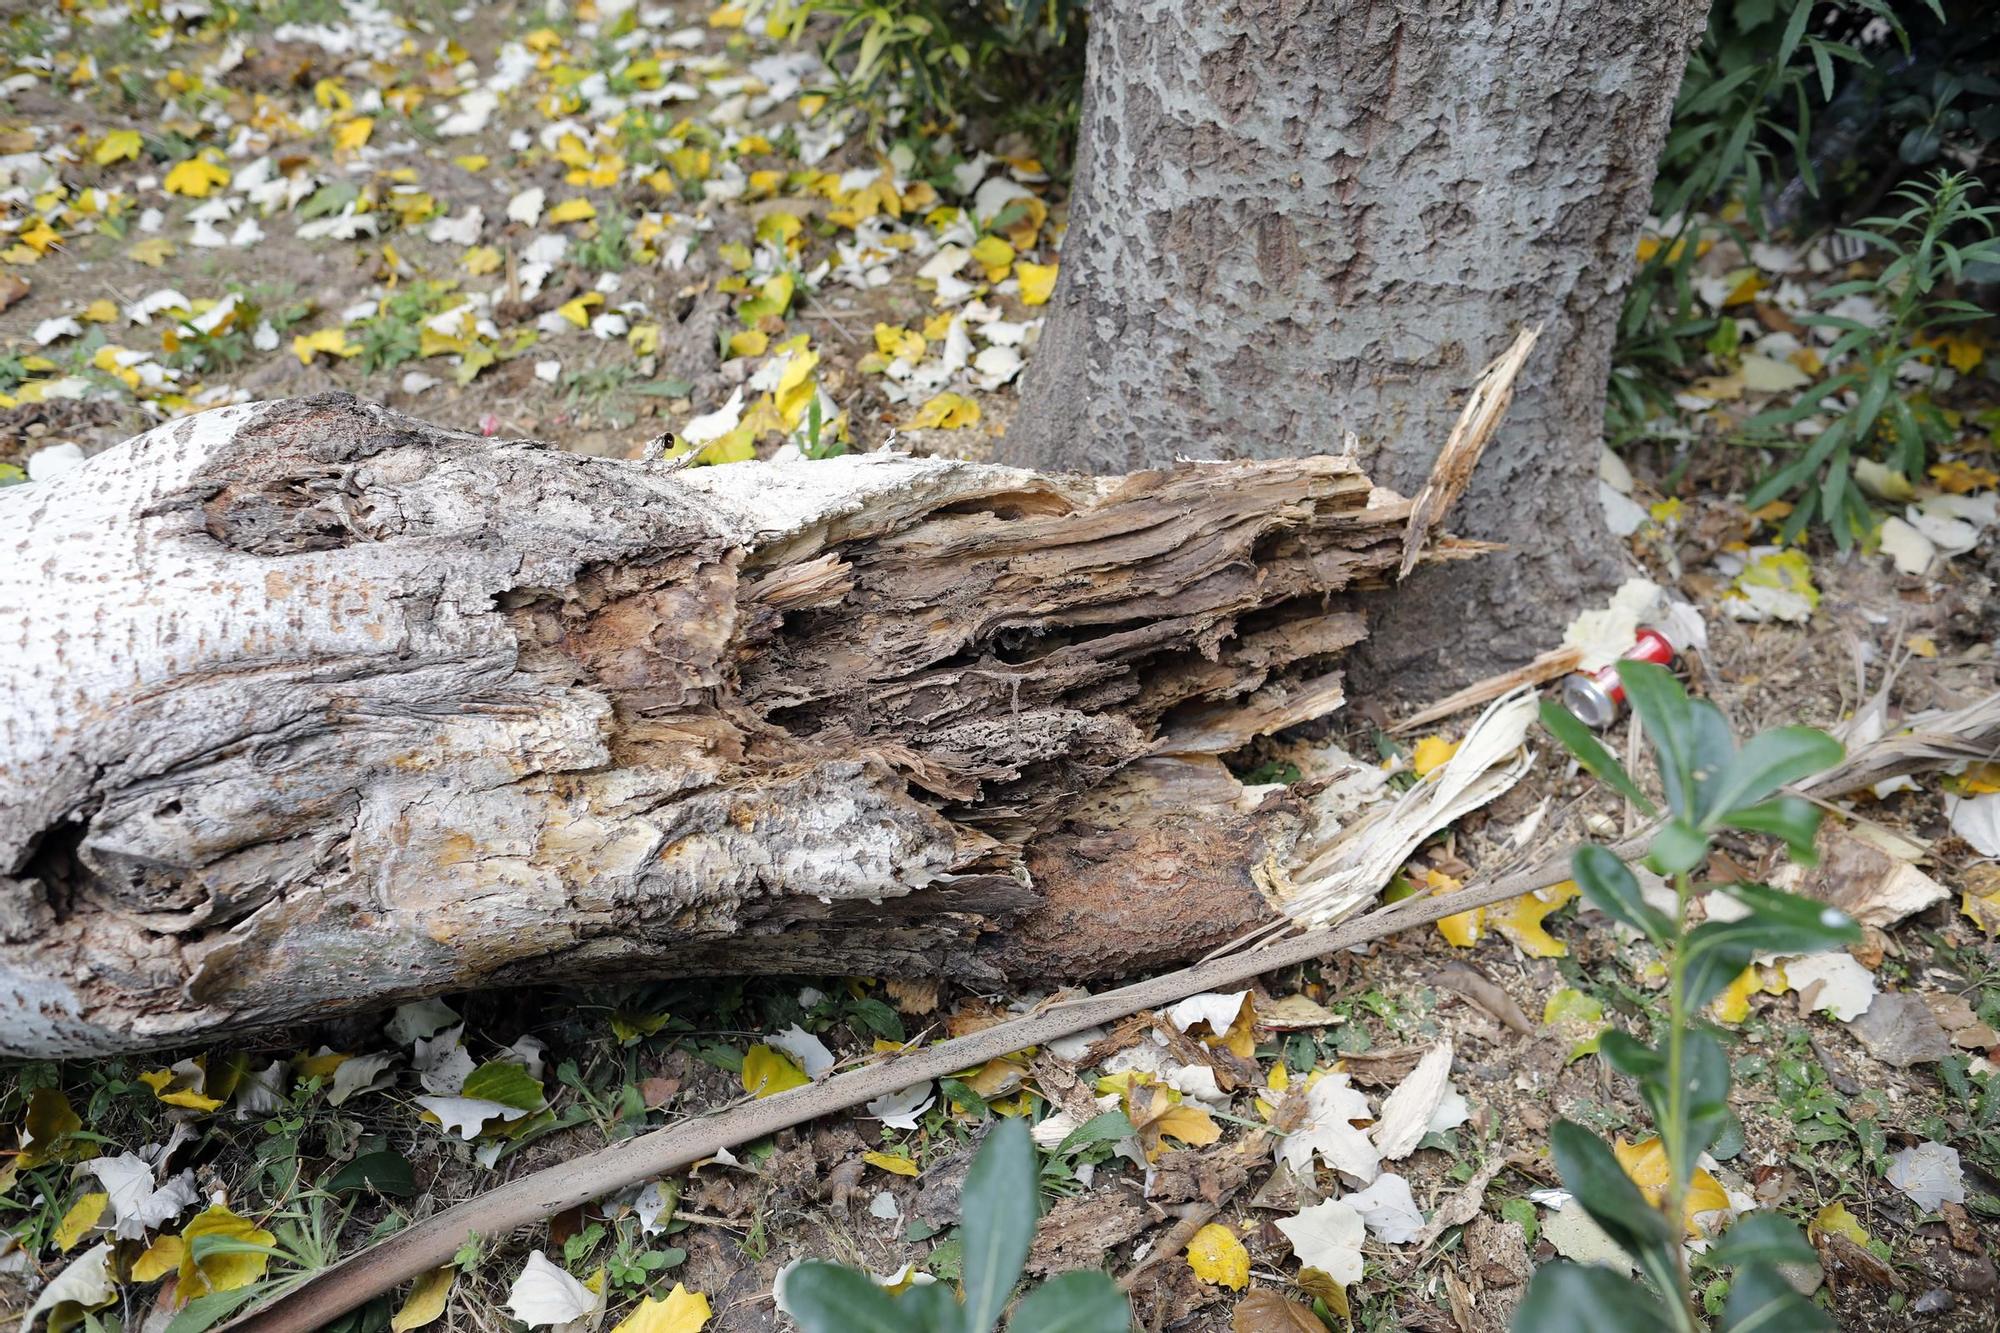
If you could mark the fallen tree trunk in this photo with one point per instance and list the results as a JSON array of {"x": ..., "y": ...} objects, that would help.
[{"x": 310, "y": 707}]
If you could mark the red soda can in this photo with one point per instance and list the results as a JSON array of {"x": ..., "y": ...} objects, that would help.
[{"x": 1597, "y": 697}]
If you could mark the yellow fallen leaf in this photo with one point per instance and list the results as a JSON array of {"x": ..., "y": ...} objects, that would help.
[
  {"x": 1922, "y": 645},
  {"x": 174, "y": 1090},
  {"x": 1461, "y": 929},
  {"x": 1430, "y": 754},
  {"x": 1158, "y": 1116},
  {"x": 162, "y": 1257},
  {"x": 727, "y": 16},
  {"x": 100, "y": 311},
  {"x": 748, "y": 342},
  {"x": 426, "y": 1300},
  {"x": 78, "y": 1221},
  {"x": 334, "y": 342},
  {"x": 1733, "y": 1005},
  {"x": 226, "y": 1271},
  {"x": 766, "y": 1072},
  {"x": 1646, "y": 1163},
  {"x": 349, "y": 135},
  {"x": 577, "y": 311},
  {"x": 572, "y": 210},
  {"x": 683, "y": 1311},
  {"x": 1218, "y": 1258},
  {"x": 118, "y": 145},
  {"x": 1521, "y": 920},
  {"x": 481, "y": 260},
  {"x": 471, "y": 161},
  {"x": 1835, "y": 1220},
  {"x": 893, "y": 340},
  {"x": 1037, "y": 281},
  {"x": 994, "y": 255},
  {"x": 153, "y": 252},
  {"x": 946, "y": 411},
  {"x": 890, "y": 1162},
  {"x": 195, "y": 178},
  {"x": 49, "y": 1122},
  {"x": 1962, "y": 478}
]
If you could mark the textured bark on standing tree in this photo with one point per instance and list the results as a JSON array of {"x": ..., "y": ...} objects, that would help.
[{"x": 1297, "y": 217}]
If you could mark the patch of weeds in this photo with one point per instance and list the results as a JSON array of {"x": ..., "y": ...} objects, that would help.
[
  {"x": 599, "y": 393},
  {"x": 1001, "y": 1203},
  {"x": 394, "y": 335},
  {"x": 1871, "y": 412},
  {"x": 609, "y": 250}
]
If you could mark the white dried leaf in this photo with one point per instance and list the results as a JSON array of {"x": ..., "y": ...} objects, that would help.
[
  {"x": 544, "y": 1294},
  {"x": 1326, "y": 1131},
  {"x": 1832, "y": 982},
  {"x": 1929, "y": 1174},
  {"x": 1909, "y": 549},
  {"x": 526, "y": 207},
  {"x": 442, "y": 1062},
  {"x": 1328, "y": 1237},
  {"x": 422, "y": 1018},
  {"x": 1389, "y": 1209},
  {"x": 466, "y": 1116},
  {"x": 1218, "y": 1009},
  {"x": 714, "y": 425},
  {"x": 136, "y": 1203},
  {"x": 86, "y": 1281},
  {"x": 1407, "y": 1112},
  {"x": 810, "y": 1052},
  {"x": 1576, "y": 1236},
  {"x": 899, "y": 1110},
  {"x": 1977, "y": 820},
  {"x": 362, "y": 1073}
]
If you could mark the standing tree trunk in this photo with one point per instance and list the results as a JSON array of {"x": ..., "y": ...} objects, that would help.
[{"x": 1296, "y": 216}]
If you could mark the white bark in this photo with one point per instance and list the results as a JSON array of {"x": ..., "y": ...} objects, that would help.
[{"x": 309, "y": 707}]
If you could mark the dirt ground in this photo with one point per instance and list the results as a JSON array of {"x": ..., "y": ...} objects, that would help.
[{"x": 711, "y": 172}]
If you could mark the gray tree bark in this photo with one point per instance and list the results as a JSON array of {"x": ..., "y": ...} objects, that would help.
[
  {"x": 308, "y": 707},
  {"x": 1292, "y": 217}
]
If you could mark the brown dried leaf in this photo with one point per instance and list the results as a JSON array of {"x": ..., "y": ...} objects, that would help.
[{"x": 1268, "y": 1312}]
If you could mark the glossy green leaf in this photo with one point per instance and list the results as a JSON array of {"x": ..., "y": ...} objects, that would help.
[
  {"x": 1767, "y": 762},
  {"x": 1574, "y": 1298},
  {"x": 1590, "y": 752},
  {"x": 1081, "y": 1302},
  {"x": 1000, "y": 1213},
  {"x": 1761, "y": 1301},
  {"x": 1761, "y": 1238},
  {"x": 1663, "y": 708},
  {"x": 1106, "y": 1125},
  {"x": 1780, "y": 922},
  {"x": 1610, "y": 886},
  {"x": 1593, "y": 1175},
  {"x": 1791, "y": 818},
  {"x": 385, "y": 1172},
  {"x": 826, "y": 1298},
  {"x": 1677, "y": 847}
]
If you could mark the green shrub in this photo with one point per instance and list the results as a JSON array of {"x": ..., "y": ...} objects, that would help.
[{"x": 1015, "y": 63}]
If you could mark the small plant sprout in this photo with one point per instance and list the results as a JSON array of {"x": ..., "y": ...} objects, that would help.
[
  {"x": 1001, "y": 1205},
  {"x": 1708, "y": 784}
]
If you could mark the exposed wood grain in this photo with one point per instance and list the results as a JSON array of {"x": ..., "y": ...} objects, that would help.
[{"x": 310, "y": 707}]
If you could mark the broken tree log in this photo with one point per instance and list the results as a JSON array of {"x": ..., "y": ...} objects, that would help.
[{"x": 310, "y": 707}]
